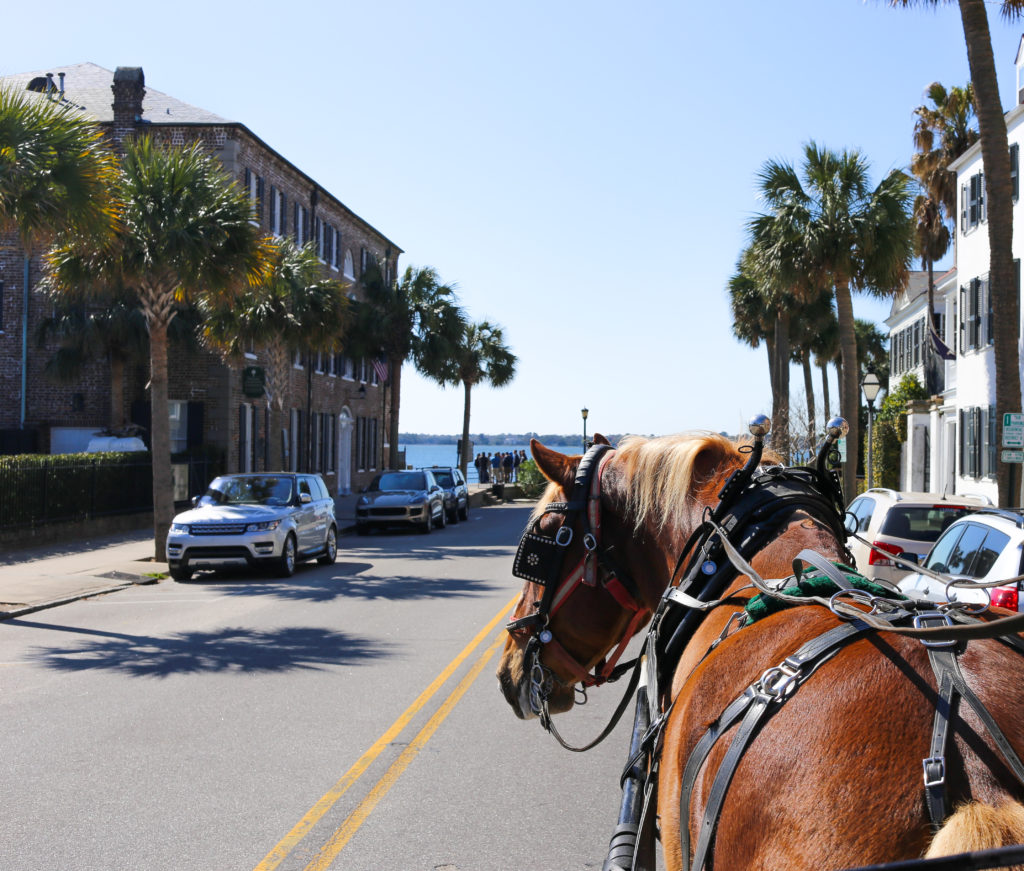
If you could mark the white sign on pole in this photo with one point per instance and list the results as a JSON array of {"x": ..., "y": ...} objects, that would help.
[
  {"x": 1013, "y": 432},
  {"x": 841, "y": 447},
  {"x": 1012, "y": 456}
]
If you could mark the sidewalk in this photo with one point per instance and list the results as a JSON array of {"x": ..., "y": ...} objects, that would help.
[{"x": 48, "y": 575}]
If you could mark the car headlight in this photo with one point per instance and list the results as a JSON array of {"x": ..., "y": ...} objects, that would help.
[
  {"x": 363, "y": 500},
  {"x": 418, "y": 499},
  {"x": 263, "y": 526},
  {"x": 179, "y": 527}
]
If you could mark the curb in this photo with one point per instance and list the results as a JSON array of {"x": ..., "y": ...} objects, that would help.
[{"x": 86, "y": 594}]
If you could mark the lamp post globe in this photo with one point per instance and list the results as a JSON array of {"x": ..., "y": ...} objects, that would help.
[{"x": 871, "y": 387}]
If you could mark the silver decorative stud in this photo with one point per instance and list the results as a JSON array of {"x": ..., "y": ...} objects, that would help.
[
  {"x": 760, "y": 425},
  {"x": 836, "y": 428}
]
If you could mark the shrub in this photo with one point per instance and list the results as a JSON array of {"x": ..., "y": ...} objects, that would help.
[{"x": 530, "y": 480}]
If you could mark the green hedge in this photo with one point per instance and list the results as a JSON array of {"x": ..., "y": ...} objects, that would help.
[
  {"x": 46, "y": 488},
  {"x": 531, "y": 482}
]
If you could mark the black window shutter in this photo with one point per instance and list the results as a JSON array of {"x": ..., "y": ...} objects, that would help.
[
  {"x": 284, "y": 213},
  {"x": 986, "y": 297},
  {"x": 273, "y": 214},
  {"x": 1015, "y": 170},
  {"x": 963, "y": 208},
  {"x": 194, "y": 434},
  {"x": 982, "y": 199}
]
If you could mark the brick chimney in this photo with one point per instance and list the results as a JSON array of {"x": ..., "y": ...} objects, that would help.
[{"x": 129, "y": 88}]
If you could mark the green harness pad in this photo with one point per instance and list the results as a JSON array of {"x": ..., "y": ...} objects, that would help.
[{"x": 813, "y": 585}]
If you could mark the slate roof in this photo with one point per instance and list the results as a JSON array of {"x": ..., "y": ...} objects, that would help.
[{"x": 87, "y": 86}]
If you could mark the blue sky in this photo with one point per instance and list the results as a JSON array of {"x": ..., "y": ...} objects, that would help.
[{"x": 583, "y": 171}]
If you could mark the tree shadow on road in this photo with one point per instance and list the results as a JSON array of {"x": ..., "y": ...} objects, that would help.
[
  {"x": 227, "y": 650},
  {"x": 354, "y": 580}
]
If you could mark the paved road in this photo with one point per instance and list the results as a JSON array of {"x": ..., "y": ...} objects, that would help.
[{"x": 348, "y": 718}]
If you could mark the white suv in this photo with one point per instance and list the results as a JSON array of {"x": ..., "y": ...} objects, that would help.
[
  {"x": 984, "y": 546},
  {"x": 903, "y": 524}
]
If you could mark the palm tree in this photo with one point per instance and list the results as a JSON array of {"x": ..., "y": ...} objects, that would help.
[
  {"x": 56, "y": 174},
  {"x": 995, "y": 155},
  {"x": 942, "y": 132},
  {"x": 112, "y": 328},
  {"x": 415, "y": 318},
  {"x": 850, "y": 237},
  {"x": 482, "y": 357},
  {"x": 185, "y": 228},
  {"x": 292, "y": 309}
]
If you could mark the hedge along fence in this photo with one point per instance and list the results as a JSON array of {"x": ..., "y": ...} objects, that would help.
[
  {"x": 38, "y": 489},
  {"x": 890, "y": 431}
]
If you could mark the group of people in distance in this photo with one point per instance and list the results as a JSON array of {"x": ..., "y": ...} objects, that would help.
[{"x": 499, "y": 467}]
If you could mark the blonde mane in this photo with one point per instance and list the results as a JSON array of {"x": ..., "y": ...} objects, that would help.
[{"x": 658, "y": 475}]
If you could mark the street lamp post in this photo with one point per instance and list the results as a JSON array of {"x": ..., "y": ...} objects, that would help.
[
  {"x": 584, "y": 412},
  {"x": 870, "y": 385}
]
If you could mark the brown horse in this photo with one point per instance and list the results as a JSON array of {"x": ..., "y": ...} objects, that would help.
[{"x": 834, "y": 779}]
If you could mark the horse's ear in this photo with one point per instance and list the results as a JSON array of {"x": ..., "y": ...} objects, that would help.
[
  {"x": 601, "y": 440},
  {"x": 553, "y": 465}
]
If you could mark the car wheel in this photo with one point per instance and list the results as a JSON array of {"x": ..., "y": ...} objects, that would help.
[
  {"x": 464, "y": 511},
  {"x": 330, "y": 553},
  {"x": 286, "y": 562},
  {"x": 442, "y": 518},
  {"x": 427, "y": 524},
  {"x": 180, "y": 573}
]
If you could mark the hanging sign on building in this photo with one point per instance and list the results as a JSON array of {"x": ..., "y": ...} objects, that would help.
[{"x": 254, "y": 381}]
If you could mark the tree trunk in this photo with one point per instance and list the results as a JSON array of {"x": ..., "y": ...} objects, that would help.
[
  {"x": 849, "y": 405},
  {"x": 395, "y": 367},
  {"x": 160, "y": 437},
  {"x": 995, "y": 154},
  {"x": 780, "y": 398},
  {"x": 467, "y": 387},
  {"x": 825, "y": 402},
  {"x": 809, "y": 390}
]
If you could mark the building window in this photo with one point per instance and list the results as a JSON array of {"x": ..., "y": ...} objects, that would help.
[
  {"x": 975, "y": 314},
  {"x": 297, "y": 360},
  {"x": 978, "y": 442},
  {"x": 973, "y": 209},
  {"x": 300, "y": 223},
  {"x": 366, "y": 443},
  {"x": 277, "y": 212},
  {"x": 179, "y": 425},
  {"x": 349, "y": 270},
  {"x": 254, "y": 187}
]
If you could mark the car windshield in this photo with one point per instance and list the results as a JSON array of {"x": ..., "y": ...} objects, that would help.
[
  {"x": 920, "y": 522},
  {"x": 400, "y": 481},
  {"x": 444, "y": 478},
  {"x": 250, "y": 490}
]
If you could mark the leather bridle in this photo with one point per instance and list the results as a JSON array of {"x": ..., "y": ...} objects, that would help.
[{"x": 541, "y": 558}]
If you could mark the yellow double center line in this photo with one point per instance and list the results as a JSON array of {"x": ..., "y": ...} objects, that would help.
[{"x": 355, "y": 819}]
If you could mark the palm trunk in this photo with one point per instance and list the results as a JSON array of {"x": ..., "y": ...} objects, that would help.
[
  {"x": 849, "y": 406},
  {"x": 995, "y": 154},
  {"x": 780, "y": 398},
  {"x": 826, "y": 405},
  {"x": 160, "y": 438},
  {"x": 467, "y": 387},
  {"x": 395, "y": 366},
  {"x": 809, "y": 390}
]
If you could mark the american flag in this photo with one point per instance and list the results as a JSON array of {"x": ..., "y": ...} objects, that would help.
[{"x": 381, "y": 368}]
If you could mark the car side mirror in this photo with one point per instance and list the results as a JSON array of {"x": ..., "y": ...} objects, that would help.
[
  {"x": 195, "y": 501},
  {"x": 305, "y": 498}
]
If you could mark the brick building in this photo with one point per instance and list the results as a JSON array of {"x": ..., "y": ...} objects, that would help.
[{"x": 333, "y": 416}]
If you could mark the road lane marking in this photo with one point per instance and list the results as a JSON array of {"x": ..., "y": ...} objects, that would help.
[
  {"x": 329, "y": 852},
  {"x": 330, "y": 798}
]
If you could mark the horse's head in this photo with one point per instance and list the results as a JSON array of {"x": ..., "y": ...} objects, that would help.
[{"x": 597, "y": 555}]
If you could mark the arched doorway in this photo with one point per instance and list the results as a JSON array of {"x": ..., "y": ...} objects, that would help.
[{"x": 345, "y": 452}]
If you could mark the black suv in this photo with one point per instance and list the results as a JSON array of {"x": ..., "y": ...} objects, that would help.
[{"x": 456, "y": 493}]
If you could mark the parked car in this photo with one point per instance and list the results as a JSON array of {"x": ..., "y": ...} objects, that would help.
[
  {"x": 903, "y": 524},
  {"x": 987, "y": 545},
  {"x": 400, "y": 499},
  {"x": 268, "y": 520},
  {"x": 456, "y": 493}
]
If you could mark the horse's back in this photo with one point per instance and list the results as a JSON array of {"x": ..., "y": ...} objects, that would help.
[{"x": 833, "y": 778}]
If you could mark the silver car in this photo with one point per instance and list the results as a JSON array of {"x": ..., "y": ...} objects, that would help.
[
  {"x": 270, "y": 520},
  {"x": 401, "y": 499}
]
